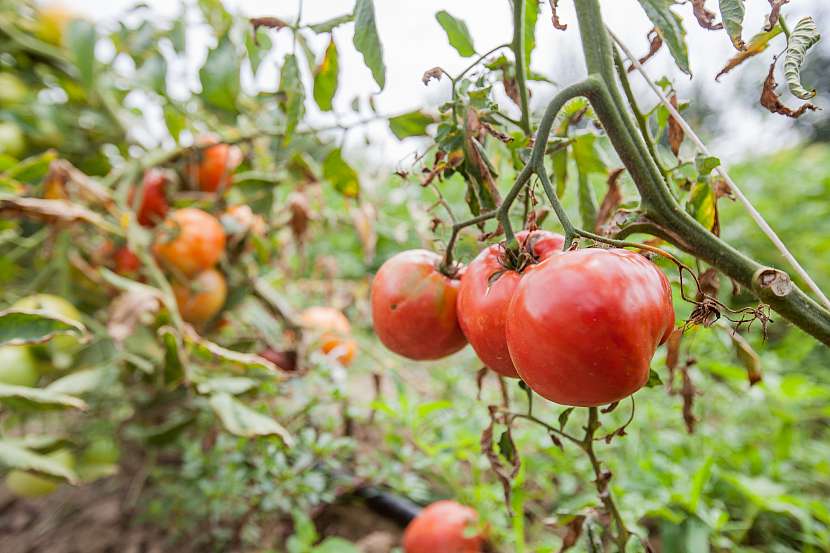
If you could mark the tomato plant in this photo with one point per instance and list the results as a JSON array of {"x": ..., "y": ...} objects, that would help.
[
  {"x": 443, "y": 526},
  {"x": 154, "y": 206},
  {"x": 190, "y": 241},
  {"x": 213, "y": 169},
  {"x": 200, "y": 299}
]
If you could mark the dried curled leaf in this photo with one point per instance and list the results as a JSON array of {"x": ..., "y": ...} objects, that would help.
[
  {"x": 676, "y": 134},
  {"x": 54, "y": 211},
  {"x": 803, "y": 37},
  {"x": 775, "y": 13},
  {"x": 612, "y": 200},
  {"x": 557, "y": 23},
  {"x": 772, "y": 101},
  {"x": 434, "y": 73},
  {"x": 655, "y": 43},
  {"x": 705, "y": 18},
  {"x": 757, "y": 44}
]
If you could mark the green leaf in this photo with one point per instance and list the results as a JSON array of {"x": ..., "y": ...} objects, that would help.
[
  {"x": 367, "y": 41},
  {"x": 37, "y": 398},
  {"x": 325, "y": 78},
  {"x": 586, "y": 155},
  {"x": 153, "y": 74},
  {"x": 531, "y": 17},
  {"x": 257, "y": 45},
  {"x": 173, "y": 366},
  {"x": 706, "y": 164},
  {"x": 175, "y": 121},
  {"x": 670, "y": 27},
  {"x": 457, "y": 33},
  {"x": 336, "y": 545},
  {"x": 587, "y": 202},
  {"x": 803, "y": 37},
  {"x": 653, "y": 379},
  {"x": 699, "y": 480},
  {"x": 732, "y": 12},
  {"x": 19, "y": 327},
  {"x": 564, "y": 416},
  {"x": 220, "y": 77},
  {"x": 80, "y": 39},
  {"x": 80, "y": 382},
  {"x": 414, "y": 123},
  {"x": 329, "y": 25},
  {"x": 14, "y": 456},
  {"x": 341, "y": 174},
  {"x": 291, "y": 86},
  {"x": 560, "y": 170},
  {"x": 210, "y": 351},
  {"x": 240, "y": 420},
  {"x": 233, "y": 385}
]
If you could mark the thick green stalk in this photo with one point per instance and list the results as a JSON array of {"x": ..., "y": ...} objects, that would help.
[
  {"x": 660, "y": 207},
  {"x": 521, "y": 69}
]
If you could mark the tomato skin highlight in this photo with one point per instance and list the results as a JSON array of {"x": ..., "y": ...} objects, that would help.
[
  {"x": 583, "y": 326},
  {"x": 191, "y": 241},
  {"x": 154, "y": 205},
  {"x": 202, "y": 298},
  {"x": 414, "y": 309},
  {"x": 441, "y": 528},
  {"x": 334, "y": 332},
  {"x": 482, "y": 303}
]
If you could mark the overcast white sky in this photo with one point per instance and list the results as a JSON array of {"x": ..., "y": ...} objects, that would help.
[{"x": 413, "y": 42}]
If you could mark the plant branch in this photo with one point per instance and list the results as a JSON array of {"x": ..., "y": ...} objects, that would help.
[
  {"x": 521, "y": 69},
  {"x": 448, "y": 264}
]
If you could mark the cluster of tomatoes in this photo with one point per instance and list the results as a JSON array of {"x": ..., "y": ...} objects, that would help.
[{"x": 579, "y": 327}]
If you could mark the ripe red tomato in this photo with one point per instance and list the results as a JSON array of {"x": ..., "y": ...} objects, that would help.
[
  {"x": 154, "y": 204},
  {"x": 442, "y": 528},
  {"x": 126, "y": 262},
  {"x": 334, "y": 332},
  {"x": 191, "y": 241},
  {"x": 213, "y": 167},
  {"x": 583, "y": 326},
  {"x": 414, "y": 307},
  {"x": 486, "y": 290},
  {"x": 202, "y": 298}
]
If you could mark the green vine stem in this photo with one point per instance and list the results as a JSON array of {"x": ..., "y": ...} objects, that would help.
[{"x": 521, "y": 69}]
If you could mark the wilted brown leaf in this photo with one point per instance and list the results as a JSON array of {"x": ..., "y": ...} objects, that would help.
[
  {"x": 475, "y": 160},
  {"x": 270, "y": 22},
  {"x": 612, "y": 200},
  {"x": 673, "y": 351},
  {"x": 434, "y": 73},
  {"x": 131, "y": 309},
  {"x": 772, "y": 101},
  {"x": 511, "y": 89},
  {"x": 749, "y": 359},
  {"x": 557, "y": 23},
  {"x": 488, "y": 446},
  {"x": 722, "y": 189},
  {"x": 755, "y": 46},
  {"x": 709, "y": 283},
  {"x": 572, "y": 534},
  {"x": 676, "y": 134},
  {"x": 705, "y": 18},
  {"x": 775, "y": 13},
  {"x": 300, "y": 214},
  {"x": 364, "y": 218},
  {"x": 688, "y": 392},
  {"x": 655, "y": 43},
  {"x": 53, "y": 211}
]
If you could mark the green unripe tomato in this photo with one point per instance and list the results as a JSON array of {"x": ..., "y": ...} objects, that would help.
[
  {"x": 61, "y": 348},
  {"x": 18, "y": 366},
  {"x": 12, "y": 89},
  {"x": 12, "y": 141},
  {"x": 26, "y": 484}
]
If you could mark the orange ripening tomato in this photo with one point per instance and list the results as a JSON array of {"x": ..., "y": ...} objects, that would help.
[
  {"x": 414, "y": 307},
  {"x": 486, "y": 290},
  {"x": 213, "y": 166},
  {"x": 202, "y": 298},
  {"x": 583, "y": 325},
  {"x": 334, "y": 332},
  {"x": 190, "y": 240},
  {"x": 442, "y": 528}
]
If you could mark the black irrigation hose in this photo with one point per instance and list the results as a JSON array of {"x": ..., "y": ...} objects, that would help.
[{"x": 388, "y": 505}]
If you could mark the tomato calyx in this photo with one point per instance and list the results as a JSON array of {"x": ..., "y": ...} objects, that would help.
[{"x": 516, "y": 260}]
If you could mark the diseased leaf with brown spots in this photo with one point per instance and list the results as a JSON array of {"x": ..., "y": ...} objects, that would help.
[
  {"x": 676, "y": 134},
  {"x": 612, "y": 200},
  {"x": 705, "y": 17},
  {"x": 756, "y": 45},
  {"x": 772, "y": 101},
  {"x": 655, "y": 43}
]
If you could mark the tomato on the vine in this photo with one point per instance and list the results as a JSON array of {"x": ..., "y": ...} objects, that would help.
[
  {"x": 334, "y": 332},
  {"x": 214, "y": 166},
  {"x": 190, "y": 240},
  {"x": 414, "y": 307},
  {"x": 154, "y": 205},
  {"x": 443, "y": 527},
  {"x": 27, "y": 484},
  {"x": 18, "y": 366},
  {"x": 486, "y": 289},
  {"x": 126, "y": 261},
  {"x": 583, "y": 326},
  {"x": 202, "y": 298}
]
